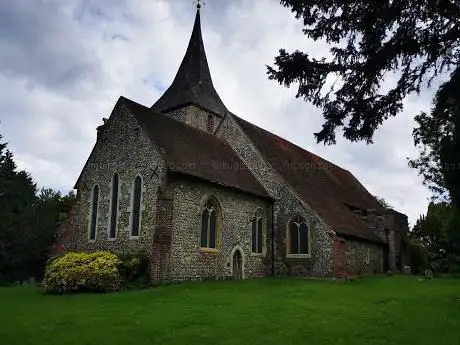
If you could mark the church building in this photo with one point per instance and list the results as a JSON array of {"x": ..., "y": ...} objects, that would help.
[{"x": 208, "y": 195}]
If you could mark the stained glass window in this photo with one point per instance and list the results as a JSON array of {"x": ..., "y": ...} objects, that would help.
[
  {"x": 257, "y": 232},
  {"x": 136, "y": 206},
  {"x": 114, "y": 206},
  {"x": 298, "y": 236},
  {"x": 94, "y": 209},
  {"x": 209, "y": 220}
]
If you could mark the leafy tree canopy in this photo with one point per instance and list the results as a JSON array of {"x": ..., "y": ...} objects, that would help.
[
  {"x": 384, "y": 203},
  {"x": 29, "y": 220},
  {"x": 438, "y": 138},
  {"x": 368, "y": 39},
  {"x": 437, "y": 232}
]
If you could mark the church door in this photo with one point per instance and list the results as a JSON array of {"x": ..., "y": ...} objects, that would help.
[{"x": 237, "y": 265}]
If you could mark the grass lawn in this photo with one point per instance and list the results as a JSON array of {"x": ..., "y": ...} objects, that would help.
[{"x": 373, "y": 310}]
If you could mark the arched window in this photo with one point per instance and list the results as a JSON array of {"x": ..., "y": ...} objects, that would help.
[
  {"x": 210, "y": 123},
  {"x": 136, "y": 210},
  {"x": 94, "y": 212},
  {"x": 257, "y": 232},
  {"x": 298, "y": 236},
  {"x": 209, "y": 224},
  {"x": 368, "y": 256},
  {"x": 114, "y": 206}
]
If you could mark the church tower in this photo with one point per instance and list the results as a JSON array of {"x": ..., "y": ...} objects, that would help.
[{"x": 191, "y": 98}]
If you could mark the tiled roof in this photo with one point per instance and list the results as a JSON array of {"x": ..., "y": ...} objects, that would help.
[
  {"x": 193, "y": 152},
  {"x": 193, "y": 83},
  {"x": 330, "y": 190}
]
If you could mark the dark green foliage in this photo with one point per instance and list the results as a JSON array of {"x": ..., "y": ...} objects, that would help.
[
  {"x": 17, "y": 212},
  {"x": 368, "y": 41},
  {"x": 134, "y": 268},
  {"x": 29, "y": 220},
  {"x": 418, "y": 257},
  {"x": 438, "y": 138},
  {"x": 438, "y": 233},
  {"x": 384, "y": 203}
]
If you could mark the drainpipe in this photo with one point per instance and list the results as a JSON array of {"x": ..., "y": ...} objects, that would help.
[{"x": 273, "y": 239}]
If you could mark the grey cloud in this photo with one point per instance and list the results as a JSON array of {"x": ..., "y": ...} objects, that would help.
[
  {"x": 50, "y": 118},
  {"x": 41, "y": 44}
]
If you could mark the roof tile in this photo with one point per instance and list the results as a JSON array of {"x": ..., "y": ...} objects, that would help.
[
  {"x": 193, "y": 152},
  {"x": 329, "y": 189}
]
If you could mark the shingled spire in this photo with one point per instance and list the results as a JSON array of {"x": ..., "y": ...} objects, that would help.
[{"x": 193, "y": 83}]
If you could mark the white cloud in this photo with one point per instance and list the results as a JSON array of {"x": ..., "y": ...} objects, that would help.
[{"x": 68, "y": 68}]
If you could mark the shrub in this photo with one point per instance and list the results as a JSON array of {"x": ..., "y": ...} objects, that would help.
[
  {"x": 418, "y": 257},
  {"x": 134, "y": 268},
  {"x": 84, "y": 272}
]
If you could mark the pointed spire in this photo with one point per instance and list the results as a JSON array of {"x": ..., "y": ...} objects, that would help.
[{"x": 193, "y": 83}]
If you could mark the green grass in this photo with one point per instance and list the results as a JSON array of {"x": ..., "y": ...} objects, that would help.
[{"x": 374, "y": 310}]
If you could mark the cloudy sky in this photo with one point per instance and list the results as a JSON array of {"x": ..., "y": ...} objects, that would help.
[{"x": 64, "y": 63}]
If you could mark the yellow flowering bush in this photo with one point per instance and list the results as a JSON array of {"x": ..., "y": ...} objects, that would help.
[{"x": 96, "y": 271}]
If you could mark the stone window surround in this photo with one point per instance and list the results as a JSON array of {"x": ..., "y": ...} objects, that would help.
[
  {"x": 131, "y": 208},
  {"x": 218, "y": 206},
  {"x": 288, "y": 239},
  {"x": 90, "y": 213},
  {"x": 109, "y": 213},
  {"x": 264, "y": 231}
]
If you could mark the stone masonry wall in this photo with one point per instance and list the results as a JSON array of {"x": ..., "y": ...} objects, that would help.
[
  {"x": 363, "y": 257},
  {"x": 123, "y": 148},
  {"x": 188, "y": 260},
  {"x": 195, "y": 117},
  {"x": 287, "y": 206},
  {"x": 379, "y": 225}
]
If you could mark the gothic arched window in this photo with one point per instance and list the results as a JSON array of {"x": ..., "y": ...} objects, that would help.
[
  {"x": 298, "y": 236},
  {"x": 257, "y": 232},
  {"x": 114, "y": 206},
  {"x": 210, "y": 123},
  {"x": 94, "y": 212},
  {"x": 209, "y": 224},
  {"x": 136, "y": 207}
]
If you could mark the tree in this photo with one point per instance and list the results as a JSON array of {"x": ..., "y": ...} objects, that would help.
[
  {"x": 437, "y": 232},
  {"x": 384, "y": 203},
  {"x": 63, "y": 203},
  {"x": 17, "y": 194},
  {"x": 28, "y": 221},
  {"x": 438, "y": 138},
  {"x": 368, "y": 39}
]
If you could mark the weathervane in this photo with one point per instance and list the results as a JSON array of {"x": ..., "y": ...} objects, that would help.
[{"x": 199, "y": 3}]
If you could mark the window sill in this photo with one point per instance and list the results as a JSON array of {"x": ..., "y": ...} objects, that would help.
[
  {"x": 92, "y": 241},
  {"x": 209, "y": 250},
  {"x": 298, "y": 256},
  {"x": 111, "y": 239},
  {"x": 134, "y": 237},
  {"x": 258, "y": 255}
]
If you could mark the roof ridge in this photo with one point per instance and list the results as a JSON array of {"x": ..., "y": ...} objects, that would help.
[
  {"x": 290, "y": 142},
  {"x": 169, "y": 118},
  {"x": 191, "y": 151},
  {"x": 327, "y": 190}
]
